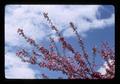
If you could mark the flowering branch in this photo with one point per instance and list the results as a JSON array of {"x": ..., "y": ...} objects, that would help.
[{"x": 76, "y": 66}]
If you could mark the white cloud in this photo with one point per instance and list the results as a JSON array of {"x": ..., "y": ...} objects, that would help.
[
  {"x": 105, "y": 66},
  {"x": 15, "y": 69},
  {"x": 23, "y": 16},
  {"x": 84, "y": 25},
  {"x": 102, "y": 70},
  {"x": 104, "y": 22},
  {"x": 19, "y": 73}
]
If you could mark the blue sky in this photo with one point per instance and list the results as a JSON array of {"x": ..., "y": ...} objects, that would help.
[{"x": 95, "y": 23}]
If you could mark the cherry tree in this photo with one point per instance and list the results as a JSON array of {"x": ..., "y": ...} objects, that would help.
[{"x": 76, "y": 66}]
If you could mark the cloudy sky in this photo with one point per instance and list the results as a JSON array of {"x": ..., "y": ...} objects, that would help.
[{"x": 95, "y": 23}]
